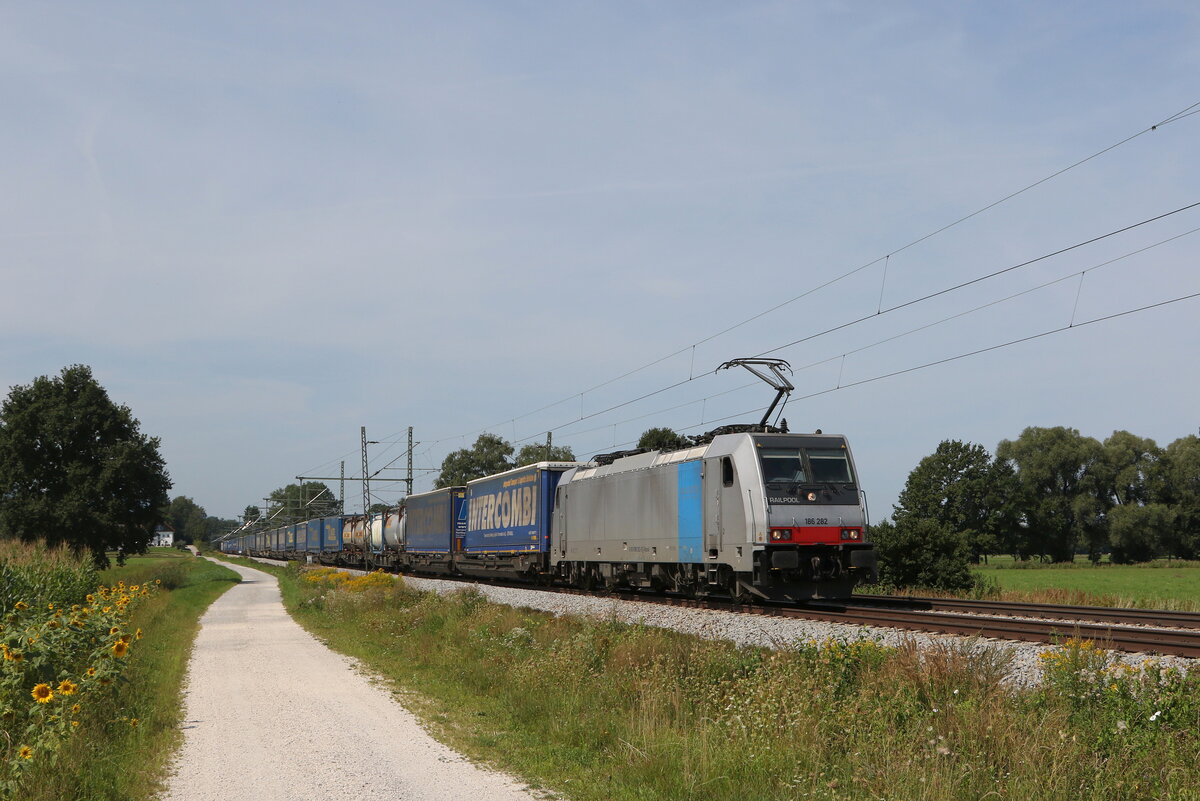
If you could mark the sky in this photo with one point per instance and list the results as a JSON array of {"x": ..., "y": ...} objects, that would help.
[{"x": 266, "y": 225}]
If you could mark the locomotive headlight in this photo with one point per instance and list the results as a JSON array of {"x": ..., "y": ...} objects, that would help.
[
  {"x": 776, "y": 535},
  {"x": 812, "y": 496}
]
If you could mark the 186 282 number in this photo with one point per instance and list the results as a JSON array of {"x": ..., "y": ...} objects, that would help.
[{"x": 816, "y": 521}]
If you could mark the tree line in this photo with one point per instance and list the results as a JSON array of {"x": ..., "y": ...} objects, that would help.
[{"x": 1049, "y": 494}]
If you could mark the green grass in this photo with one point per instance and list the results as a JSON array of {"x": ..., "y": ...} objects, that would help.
[
  {"x": 1160, "y": 584},
  {"x": 596, "y": 709},
  {"x": 108, "y": 757}
]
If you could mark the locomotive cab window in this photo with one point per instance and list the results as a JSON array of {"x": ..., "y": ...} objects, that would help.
[
  {"x": 782, "y": 466},
  {"x": 727, "y": 471},
  {"x": 830, "y": 466}
]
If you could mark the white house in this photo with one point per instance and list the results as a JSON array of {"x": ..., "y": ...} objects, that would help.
[{"x": 164, "y": 536}]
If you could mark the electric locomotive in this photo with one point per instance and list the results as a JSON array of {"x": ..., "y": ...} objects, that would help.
[{"x": 766, "y": 514}]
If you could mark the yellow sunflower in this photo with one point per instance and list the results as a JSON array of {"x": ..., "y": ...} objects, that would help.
[
  {"x": 137, "y": 635},
  {"x": 67, "y": 687},
  {"x": 120, "y": 648},
  {"x": 42, "y": 693},
  {"x": 91, "y": 671},
  {"x": 25, "y": 752},
  {"x": 21, "y": 605},
  {"x": 75, "y": 709}
]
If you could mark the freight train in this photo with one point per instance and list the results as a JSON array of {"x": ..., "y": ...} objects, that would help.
[{"x": 751, "y": 512}]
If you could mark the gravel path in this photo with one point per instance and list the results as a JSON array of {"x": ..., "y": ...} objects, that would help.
[{"x": 272, "y": 714}]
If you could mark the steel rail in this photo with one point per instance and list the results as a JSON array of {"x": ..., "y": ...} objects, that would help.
[{"x": 1102, "y": 614}]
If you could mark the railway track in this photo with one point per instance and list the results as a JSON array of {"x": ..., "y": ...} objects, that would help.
[
  {"x": 994, "y": 620},
  {"x": 1098, "y": 614}
]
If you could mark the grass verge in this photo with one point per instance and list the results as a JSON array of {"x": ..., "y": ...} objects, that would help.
[
  {"x": 597, "y": 709},
  {"x": 124, "y": 742}
]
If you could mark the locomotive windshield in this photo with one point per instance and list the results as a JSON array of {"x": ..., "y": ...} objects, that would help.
[
  {"x": 782, "y": 465},
  {"x": 829, "y": 466}
]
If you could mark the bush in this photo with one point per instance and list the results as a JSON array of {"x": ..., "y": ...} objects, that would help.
[{"x": 922, "y": 553}]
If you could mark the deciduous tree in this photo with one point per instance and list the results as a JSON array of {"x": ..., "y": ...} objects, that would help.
[
  {"x": 490, "y": 454},
  {"x": 75, "y": 467},
  {"x": 662, "y": 439}
]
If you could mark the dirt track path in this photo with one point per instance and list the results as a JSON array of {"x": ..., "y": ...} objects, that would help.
[{"x": 273, "y": 714}]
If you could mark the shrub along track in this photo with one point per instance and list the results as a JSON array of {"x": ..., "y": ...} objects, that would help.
[{"x": 1036, "y": 623}]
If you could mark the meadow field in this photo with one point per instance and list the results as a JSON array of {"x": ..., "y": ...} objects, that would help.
[{"x": 1160, "y": 584}]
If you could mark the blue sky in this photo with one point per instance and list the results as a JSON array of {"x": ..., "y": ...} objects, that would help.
[{"x": 265, "y": 226}]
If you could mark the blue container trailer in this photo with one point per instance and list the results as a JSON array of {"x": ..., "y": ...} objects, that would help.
[
  {"x": 435, "y": 521},
  {"x": 510, "y": 513}
]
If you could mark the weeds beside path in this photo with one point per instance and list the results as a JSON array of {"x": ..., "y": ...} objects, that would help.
[
  {"x": 123, "y": 743},
  {"x": 595, "y": 709}
]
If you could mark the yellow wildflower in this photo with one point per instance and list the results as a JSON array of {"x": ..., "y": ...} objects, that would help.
[
  {"x": 21, "y": 605},
  {"x": 25, "y": 752},
  {"x": 91, "y": 671},
  {"x": 133, "y": 722},
  {"x": 42, "y": 693},
  {"x": 120, "y": 648},
  {"x": 137, "y": 635},
  {"x": 67, "y": 687},
  {"x": 74, "y": 723},
  {"x": 75, "y": 709}
]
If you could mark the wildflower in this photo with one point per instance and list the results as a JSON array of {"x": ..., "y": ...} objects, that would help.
[
  {"x": 107, "y": 609},
  {"x": 1154, "y": 717},
  {"x": 114, "y": 630},
  {"x": 67, "y": 687},
  {"x": 91, "y": 599},
  {"x": 74, "y": 723},
  {"x": 21, "y": 605},
  {"x": 133, "y": 722},
  {"x": 42, "y": 693},
  {"x": 91, "y": 671},
  {"x": 25, "y": 752},
  {"x": 134, "y": 588},
  {"x": 137, "y": 635},
  {"x": 75, "y": 709},
  {"x": 16, "y": 656},
  {"x": 51, "y": 624},
  {"x": 158, "y": 581},
  {"x": 120, "y": 648},
  {"x": 50, "y": 607}
]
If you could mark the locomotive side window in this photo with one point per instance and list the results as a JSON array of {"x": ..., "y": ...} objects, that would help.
[
  {"x": 782, "y": 465},
  {"x": 830, "y": 466},
  {"x": 727, "y": 471}
]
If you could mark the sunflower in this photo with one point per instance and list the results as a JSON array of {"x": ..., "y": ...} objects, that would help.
[
  {"x": 25, "y": 752},
  {"x": 114, "y": 630},
  {"x": 51, "y": 624},
  {"x": 67, "y": 687},
  {"x": 134, "y": 722},
  {"x": 21, "y": 605},
  {"x": 91, "y": 671},
  {"x": 120, "y": 648},
  {"x": 42, "y": 693},
  {"x": 134, "y": 588},
  {"x": 91, "y": 599},
  {"x": 158, "y": 581},
  {"x": 137, "y": 634},
  {"x": 125, "y": 638},
  {"x": 74, "y": 723},
  {"x": 75, "y": 709},
  {"x": 17, "y": 656}
]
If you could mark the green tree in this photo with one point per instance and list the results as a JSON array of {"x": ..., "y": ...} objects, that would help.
[
  {"x": 1176, "y": 483},
  {"x": 217, "y": 527},
  {"x": 302, "y": 502},
  {"x": 188, "y": 519},
  {"x": 75, "y": 468},
  {"x": 1058, "y": 491},
  {"x": 490, "y": 454},
  {"x": 662, "y": 439},
  {"x": 251, "y": 513},
  {"x": 962, "y": 487},
  {"x": 1137, "y": 532},
  {"x": 922, "y": 552},
  {"x": 533, "y": 453}
]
